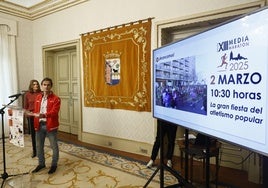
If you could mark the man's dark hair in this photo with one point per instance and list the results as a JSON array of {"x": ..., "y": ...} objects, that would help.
[{"x": 47, "y": 79}]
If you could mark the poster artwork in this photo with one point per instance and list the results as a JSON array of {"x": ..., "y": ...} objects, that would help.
[
  {"x": 112, "y": 71},
  {"x": 15, "y": 122}
]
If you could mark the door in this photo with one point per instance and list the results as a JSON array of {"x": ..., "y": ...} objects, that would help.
[{"x": 67, "y": 78}]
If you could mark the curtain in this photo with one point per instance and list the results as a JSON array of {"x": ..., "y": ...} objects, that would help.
[
  {"x": 8, "y": 67},
  {"x": 117, "y": 67}
]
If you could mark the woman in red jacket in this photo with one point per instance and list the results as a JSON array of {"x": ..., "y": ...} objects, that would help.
[{"x": 29, "y": 99}]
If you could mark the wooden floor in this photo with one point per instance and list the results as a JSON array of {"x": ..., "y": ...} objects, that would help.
[{"x": 234, "y": 178}]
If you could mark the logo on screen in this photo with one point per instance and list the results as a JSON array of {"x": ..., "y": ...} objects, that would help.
[
  {"x": 165, "y": 57},
  {"x": 234, "y": 43},
  {"x": 222, "y": 46},
  {"x": 243, "y": 60}
]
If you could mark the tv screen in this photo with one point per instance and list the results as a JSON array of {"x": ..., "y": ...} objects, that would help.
[{"x": 215, "y": 82}]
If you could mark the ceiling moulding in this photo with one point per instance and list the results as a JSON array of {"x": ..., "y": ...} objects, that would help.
[{"x": 39, "y": 10}]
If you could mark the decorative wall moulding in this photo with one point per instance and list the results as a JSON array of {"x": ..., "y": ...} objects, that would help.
[{"x": 39, "y": 10}]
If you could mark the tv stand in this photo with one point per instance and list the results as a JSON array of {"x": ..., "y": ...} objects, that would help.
[{"x": 182, "y": 182}]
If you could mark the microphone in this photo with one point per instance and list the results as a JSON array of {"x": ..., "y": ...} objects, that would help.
[{"x": 18, "y": 94}]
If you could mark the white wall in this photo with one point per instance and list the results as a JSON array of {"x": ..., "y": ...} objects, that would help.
[
  {"x": 68, "y": 24},
  {"x": 24, "y": 45}
]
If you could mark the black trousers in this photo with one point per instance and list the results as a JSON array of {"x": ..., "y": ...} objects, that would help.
[
  {"x": 169, "y": 130},
  {"x": 32, "y": 132}
]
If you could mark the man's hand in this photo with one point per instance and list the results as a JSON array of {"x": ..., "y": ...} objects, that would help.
[{"x": 42, "y": 115}]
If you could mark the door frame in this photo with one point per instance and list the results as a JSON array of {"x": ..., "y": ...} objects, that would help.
[{"x": 64, "y": 46}]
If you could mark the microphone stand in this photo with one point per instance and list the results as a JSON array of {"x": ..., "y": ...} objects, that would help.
[{"x": 5, "y": 175}]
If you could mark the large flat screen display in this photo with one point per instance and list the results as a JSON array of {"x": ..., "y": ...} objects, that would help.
[{"x": 215, "y": 82}]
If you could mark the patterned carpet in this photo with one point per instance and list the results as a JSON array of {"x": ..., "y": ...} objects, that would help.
[{"x": 78, "y": 167}]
